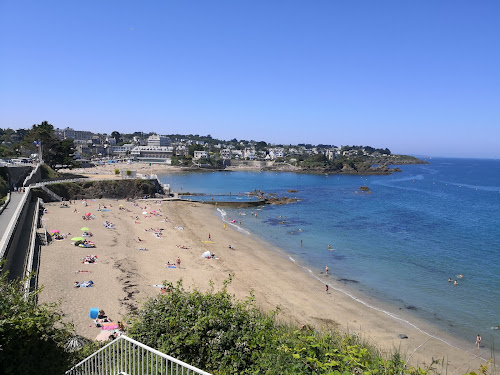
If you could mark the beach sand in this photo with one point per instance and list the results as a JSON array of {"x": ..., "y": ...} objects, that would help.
[{"x": 124, "y": 276}]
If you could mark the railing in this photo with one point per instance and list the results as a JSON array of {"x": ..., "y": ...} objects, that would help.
[
  {"x": 30, "y": 176},
  {"x": 127, "y": 356},
  {"x": 51, "y": 193},
  {"x": 28, "y": 267}
]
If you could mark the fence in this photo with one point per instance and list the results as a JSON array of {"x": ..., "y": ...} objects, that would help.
[{"x": 127, "y": 356}]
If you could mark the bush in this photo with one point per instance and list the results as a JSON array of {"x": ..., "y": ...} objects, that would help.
[
  {"x": 32, "y": 336},
  {"x": 219, "y": 334}
]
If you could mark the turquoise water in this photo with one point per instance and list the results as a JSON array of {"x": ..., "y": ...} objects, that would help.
[{"x": 399, "y": 244}]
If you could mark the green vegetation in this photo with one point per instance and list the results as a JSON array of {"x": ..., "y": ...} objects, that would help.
[
  {"x": 219, "y": 334},
  {"x": 32, "y": 336},
  {"x": 48, "y": 173},
  {"x": 4, "y": 184}
]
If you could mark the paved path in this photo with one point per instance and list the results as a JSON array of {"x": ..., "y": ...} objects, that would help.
[{"x": 9, "y": 211}]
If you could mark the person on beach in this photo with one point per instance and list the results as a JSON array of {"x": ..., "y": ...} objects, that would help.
[
  {"x": 326, "y": 270},
  {"x": 326, "y": 288},
  {"x": 478, "y": 341},
  {"x": 209, "y": 237},
  {"x": 178, "y": 262}
]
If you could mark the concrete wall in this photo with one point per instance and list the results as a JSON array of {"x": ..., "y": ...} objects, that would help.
[{"x": 17, "y": 175}]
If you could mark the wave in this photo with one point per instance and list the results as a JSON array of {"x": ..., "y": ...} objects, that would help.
[
  {"x": 388, "y": 313},
  {"x": 224, "y": 218}
]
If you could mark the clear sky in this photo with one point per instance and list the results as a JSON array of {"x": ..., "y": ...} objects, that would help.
[{"x": 418, "y": 77}]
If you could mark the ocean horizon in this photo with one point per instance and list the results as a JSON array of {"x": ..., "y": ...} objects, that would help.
[{"x": 399, "y": 243}]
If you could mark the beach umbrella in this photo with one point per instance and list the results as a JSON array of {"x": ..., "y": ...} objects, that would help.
[
  {"x": 54, "y": 231},
  {"x": 78, "y": 239},
  {"x": 88, "y": 214},
  {"x": 75, "y": 343},
  {"x": 85, "y": 229},
  {"x": 121, "y": 205}
]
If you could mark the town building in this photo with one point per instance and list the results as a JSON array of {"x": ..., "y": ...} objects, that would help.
[{"x": 156, "y": 140}]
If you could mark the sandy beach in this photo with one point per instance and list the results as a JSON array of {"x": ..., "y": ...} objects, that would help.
[{"x": 124, "y": 276}]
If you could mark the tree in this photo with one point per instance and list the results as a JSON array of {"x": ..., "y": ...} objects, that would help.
[
  {"x": 32, "y": 336},
  {"x": 195, "y": 147},
  {"x": 54, "y": 151},
  {"x": 116, "y": 135},
  {"x": 260, "y": 145}
]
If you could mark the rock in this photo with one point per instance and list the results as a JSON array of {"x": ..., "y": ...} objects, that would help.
[{"x": 402, "y": 336}]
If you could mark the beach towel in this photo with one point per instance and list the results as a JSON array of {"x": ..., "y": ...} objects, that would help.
[
  {"x": 159, "y": 286},
  {"x": 109, "y": 326},
  {"x": 171, "y": 267}
]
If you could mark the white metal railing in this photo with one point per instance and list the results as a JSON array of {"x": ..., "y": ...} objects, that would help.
[{"x": 127, "y": 356}]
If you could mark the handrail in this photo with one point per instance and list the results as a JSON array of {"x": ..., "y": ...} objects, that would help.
[
  {"x": 29, "y": 260},
  {"x": 124, "y": 355},
  {"x": 32, "y": 173}
]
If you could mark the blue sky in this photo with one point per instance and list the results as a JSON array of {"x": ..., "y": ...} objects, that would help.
[{"x": 420, "y": 77}]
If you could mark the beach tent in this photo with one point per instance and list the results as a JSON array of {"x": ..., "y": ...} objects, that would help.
[
  {"x": 94, "y": 311},
  {"x": 85, "y": 229},
  {"x": 206, "y": 254}
]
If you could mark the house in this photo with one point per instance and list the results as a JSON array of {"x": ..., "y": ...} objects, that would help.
[
  {"x": 225, "y": 154},
  {"x": 200, "y": 155}
]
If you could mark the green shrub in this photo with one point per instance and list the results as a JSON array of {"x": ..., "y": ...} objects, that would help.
[{"x": 219, "y": 334}]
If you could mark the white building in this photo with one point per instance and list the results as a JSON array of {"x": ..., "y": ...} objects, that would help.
[
  {"x": 122, "y": 150},
  {"x": 200, "y": 155},
  {"x": 152, "y": 154},
  {"x": 276, "y": 153},
  {"x": 249, "y": 153},
  {"x": 156, "y": 140},
  {"x": 225, "y": 154}
]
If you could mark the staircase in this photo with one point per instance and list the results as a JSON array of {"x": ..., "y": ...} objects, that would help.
[
  {"x": 124, "y": 356},
  {"x": 51, "y": 193}
]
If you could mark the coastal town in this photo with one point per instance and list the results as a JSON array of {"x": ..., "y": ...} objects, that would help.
[{"x": 195, "y": 151}]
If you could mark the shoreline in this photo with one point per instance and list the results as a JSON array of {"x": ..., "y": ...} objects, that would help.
[{"x": 358, "y": 296}]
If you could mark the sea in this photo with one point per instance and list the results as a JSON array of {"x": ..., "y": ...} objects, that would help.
[{"x": 398, "y": 243}]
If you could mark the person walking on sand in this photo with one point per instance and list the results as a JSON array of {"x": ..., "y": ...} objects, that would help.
[
  {"x": 478, "y": 341},
  {"x": 326, "y": 288},
  {"x": 209, "y": 237},
  {"x": 326, "y": 270},
  {"x": 178, "y": 262}
]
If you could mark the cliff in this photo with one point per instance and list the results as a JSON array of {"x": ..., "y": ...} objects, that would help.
[{"x": 115, "y": 189}]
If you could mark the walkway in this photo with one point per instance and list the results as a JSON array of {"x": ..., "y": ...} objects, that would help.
[{"x": 9, "y": 211}]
